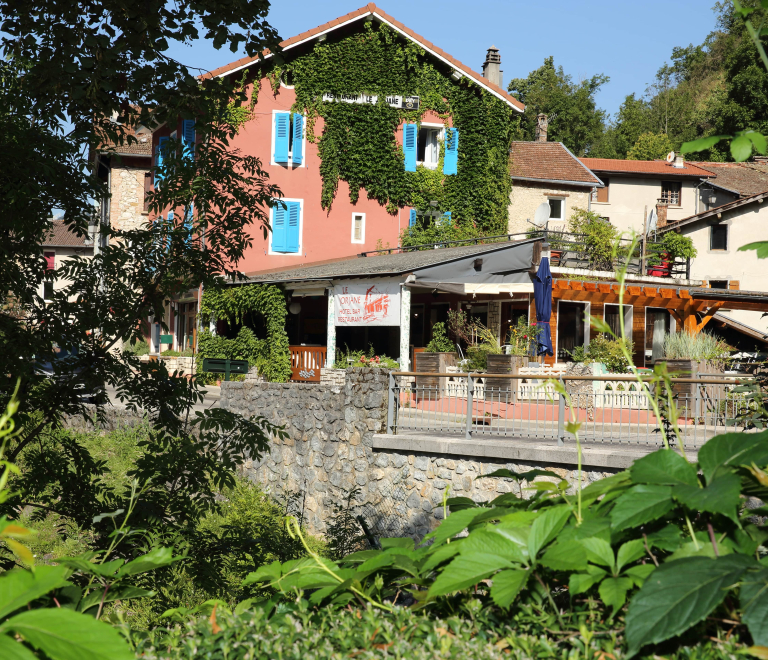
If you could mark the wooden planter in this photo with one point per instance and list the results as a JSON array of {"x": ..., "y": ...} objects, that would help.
[
  {"x": 689, "y": 369},
  {"x": 503, "y": 389},
  {"x": 432, "y": 363}
]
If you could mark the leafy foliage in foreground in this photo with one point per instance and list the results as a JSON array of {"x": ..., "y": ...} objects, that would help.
[
  {"x": 295, "y": 632},
  {"x": 673, "y": 544}
]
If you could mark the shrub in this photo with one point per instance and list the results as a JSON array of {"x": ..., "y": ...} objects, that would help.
[
  {"x": 140, "y": 347},
  {"x": 701, "y": 346},
  {"x": 607, "y": 351},
  {"x": 245, "y": 346},
  {"x": 348, "y": 358},
  {"x": 440, "y": 342},
  {"x": 522, "y": 338},
  {"x": 597, "y": 235}
]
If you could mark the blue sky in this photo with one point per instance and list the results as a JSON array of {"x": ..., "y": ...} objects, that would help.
[{"x": 627, "y": 41}]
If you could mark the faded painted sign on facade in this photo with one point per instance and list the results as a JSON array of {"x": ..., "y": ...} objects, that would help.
[{"x": 367, "y": 303}]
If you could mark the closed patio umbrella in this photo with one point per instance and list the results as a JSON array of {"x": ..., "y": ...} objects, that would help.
[{"x": 542, "y": 295}]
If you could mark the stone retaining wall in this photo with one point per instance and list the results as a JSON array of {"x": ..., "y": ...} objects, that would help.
[{"x": 329, "y": 450}]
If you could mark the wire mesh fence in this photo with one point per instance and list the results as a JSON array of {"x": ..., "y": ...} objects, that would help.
[{"x": 610, "y": 409}]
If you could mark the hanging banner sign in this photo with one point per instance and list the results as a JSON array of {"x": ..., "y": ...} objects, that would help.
[
  {"x": 393, "y": 101},
  {"x": 367, "y": 303}
]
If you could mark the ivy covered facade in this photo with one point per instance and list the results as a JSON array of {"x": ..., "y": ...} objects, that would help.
[{"x": 366, "y": 128}]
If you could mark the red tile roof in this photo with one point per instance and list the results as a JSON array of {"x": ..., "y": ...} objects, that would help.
[
  {"x": 372, "y": 10},
  {"x": 644, "y": 167},
  {"x": 60, "y": 236},
  {"x": 548, "y": 161}
]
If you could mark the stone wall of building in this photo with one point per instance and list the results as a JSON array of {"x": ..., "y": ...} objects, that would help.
[
  {"x": 527, "y": 195},
  {"x": 329, "y": 451},
  {"x": 127, "y": 202}
]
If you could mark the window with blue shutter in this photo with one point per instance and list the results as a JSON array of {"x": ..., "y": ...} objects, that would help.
[
  {"x": 412, "y": 218},
  {"x": 298, "y": 139},
  {"x": 162, "y": 147},
  {"x": 282, "y": 129},
  {"x": 292, "y": 233},
  {"x": 410, "y": 140},
  {"x": 188, "y": 218},
  {"x": 451, "y": 159},
  {"x": 446, "y": 219},
  {"x": 169, "y": 226},
  {"x": 188, "y": 136},
  {"x": 278, "y": 227}
]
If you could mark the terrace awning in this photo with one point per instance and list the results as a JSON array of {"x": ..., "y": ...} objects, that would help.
[{"x": 506, "y": 270}]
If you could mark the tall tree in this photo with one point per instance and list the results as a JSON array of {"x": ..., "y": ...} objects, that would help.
[
  {"x": 76, "y": 74},
  {"x": 574, "y": 118}
]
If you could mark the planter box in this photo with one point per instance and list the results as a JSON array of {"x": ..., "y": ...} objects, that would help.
[
  {"x": 433, "y": 363},
  {"x": 689, "y": 369},
  {"x": 501, "y": 389}
]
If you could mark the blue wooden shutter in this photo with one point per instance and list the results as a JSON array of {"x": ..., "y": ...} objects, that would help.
[
  {"x": 451, "y": 160},
  {"x": 282, "y": 127},
  {"x": 188, "y": 218},
  {"x": 446, "y": 219},
  {"x": 412, "y": 218},
  {"x": 410, "y": 138},
  {"x": 162, "y": 147},
  {"x": 298, "y": 136},
  {"x": 188, "y": 137},
  {"x": 278, "y": 228},
  {"x": 294, "y": 212}
]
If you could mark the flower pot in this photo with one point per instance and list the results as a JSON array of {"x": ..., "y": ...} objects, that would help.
[
  {"x": 686, "y": 392},
  {"x": 503, "y": 389},
  {"x": 432, "y": 386}
]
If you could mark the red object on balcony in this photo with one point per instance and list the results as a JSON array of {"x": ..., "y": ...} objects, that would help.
[
  {"x": 664, "y": 269},
  {"x": 306, "y": 362}
]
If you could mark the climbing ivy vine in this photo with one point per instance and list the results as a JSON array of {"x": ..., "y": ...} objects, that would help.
[
  {"x": 271, "y": 354},
  {"x": 357, "y": 144}
]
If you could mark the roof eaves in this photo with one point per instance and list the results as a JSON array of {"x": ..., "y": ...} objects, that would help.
[
  {"x": 729, "y": 206},
  {"x": 584, "y": 184},
  {"x": 588, "y": 171},
  {"x": 372, "y": 10}
]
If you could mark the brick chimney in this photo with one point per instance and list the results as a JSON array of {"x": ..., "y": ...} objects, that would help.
[
  {"x": 542, "y": 125},
  {"x": 661, "y": 214},
  {"x": 492, "y": 67}
]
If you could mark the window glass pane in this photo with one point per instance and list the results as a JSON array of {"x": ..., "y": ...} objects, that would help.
[
  {"x": 433, "y": 150},
  {"x": 670, "y": 192},
  {"x": 718, "y": 237},
  {"x": 555, "y": 209},
  {"x": 358, "y": 227},
  {"x": 570, "y": 328},
  {"x": 612, "y": 318},
  {"x": 657, "y": 325},
  {"x": 421, "y": 145}
]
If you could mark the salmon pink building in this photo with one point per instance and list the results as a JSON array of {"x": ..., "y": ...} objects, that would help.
[{"x": 287, "y": 136}]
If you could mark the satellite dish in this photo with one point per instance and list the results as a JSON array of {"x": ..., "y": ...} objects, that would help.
[
  {"x": 670, "y": 156},
  {"x": 541, "y": 216},
  {"x": 653, "y": 221}
]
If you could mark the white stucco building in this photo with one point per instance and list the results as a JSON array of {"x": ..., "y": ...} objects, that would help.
[{"x": 717, "y": 234}]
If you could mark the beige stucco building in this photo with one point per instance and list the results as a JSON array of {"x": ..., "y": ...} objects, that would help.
[
  {"x": 547, "y": 172},
  {"x": 717, "y": 235},
  {"x": 60, "y": 245},
  {"x": 635, "y": 187}
]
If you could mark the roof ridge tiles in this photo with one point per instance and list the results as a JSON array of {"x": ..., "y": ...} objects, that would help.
[{"x": 373, "y": 9}]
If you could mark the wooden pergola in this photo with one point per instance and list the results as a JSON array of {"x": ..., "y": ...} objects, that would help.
[{"x": 691, "y": 307}]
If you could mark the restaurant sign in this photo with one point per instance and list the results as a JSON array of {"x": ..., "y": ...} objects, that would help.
[
  {"x": 392, "y": 100},
  {"x": 367, "y": 303}
]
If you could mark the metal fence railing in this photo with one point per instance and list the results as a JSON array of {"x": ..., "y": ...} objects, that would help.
[{"x": 611, "y": 409}]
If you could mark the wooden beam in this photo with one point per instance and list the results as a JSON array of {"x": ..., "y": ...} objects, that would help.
[
  {"x": 604, "y": 288},
  {"x": 590, "y": 286},
  {"x": 667, "y": 293},
  {"x": 562, "y": 284},
  {"x": 635, "y": 290},
  {"x": 708, "y": 316},
  {"x": 650, "y": 291},
  {"x": 676, "y": 316},
  {"x": 685, "y": 294},
  {"x": 576, "y": 285}
]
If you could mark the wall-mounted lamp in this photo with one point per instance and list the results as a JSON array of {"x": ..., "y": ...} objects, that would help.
[{"x": 294, "y": 307}]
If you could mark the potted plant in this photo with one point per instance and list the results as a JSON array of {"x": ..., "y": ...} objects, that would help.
[
  {"x": 671, "y": 247},
  {"x": 440, "y": 355},
  {"x": 687, "y": 355}
]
